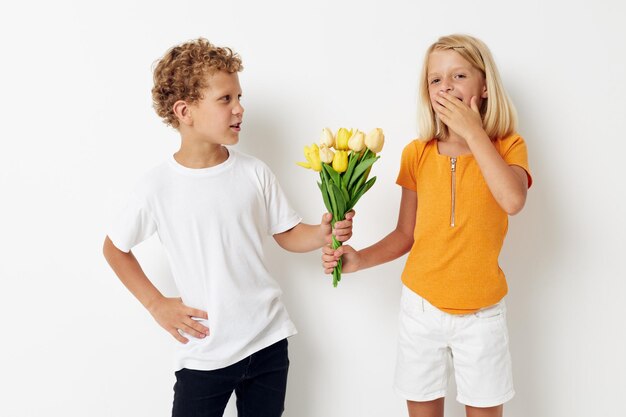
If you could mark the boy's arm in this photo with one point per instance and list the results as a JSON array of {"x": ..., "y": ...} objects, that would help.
[
  {"x": 170, "y": 313},
  {"x": 307, "y": 237}
]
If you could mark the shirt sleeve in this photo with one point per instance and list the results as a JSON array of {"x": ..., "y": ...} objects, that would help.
[
  {"x": 514, "y": 152},
  {"x": 407, "y": 176},
  {"x": 133, "y": 225},
  {"x": 280, "y": 215}
]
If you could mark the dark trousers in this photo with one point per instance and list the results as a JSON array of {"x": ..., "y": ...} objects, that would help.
[{"x": 259, "y": 382}]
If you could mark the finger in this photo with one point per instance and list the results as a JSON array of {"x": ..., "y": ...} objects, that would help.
[
  {"x": 179, "y": 337},
  {"x": 344, "y": 237},
  {"x": 195, "y": 324},
  {"x": 350, "y": 215},
  {"x": 342, "y": 231},
  {"x": 338, "y": 252},
  {"x": 329, "y": 266},
  {"x": 194, "y": 312},
  {"x": 343, "y": 224},
  {"x": 327, "y": 218},
  {"x": 328, "y": 258},
  {"x": 440, "y": 108},
  {"x": 443, "y": 99},
  {"x": 195, "y": 329},
  {"x": 327, "y": 250},
  {"x": 474, "y": 104},
  {"x": 449, "y": 98}
]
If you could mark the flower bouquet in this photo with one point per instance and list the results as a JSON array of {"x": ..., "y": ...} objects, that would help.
[{"x": 344, "y": 162}]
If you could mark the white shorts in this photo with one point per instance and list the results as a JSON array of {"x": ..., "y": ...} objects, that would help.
[{"x": 476, "y": 344}]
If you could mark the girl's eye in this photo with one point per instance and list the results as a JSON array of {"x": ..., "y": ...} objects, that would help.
[
  {"x": 434, "y": 81},
  {"x": 460, "y": 76}
]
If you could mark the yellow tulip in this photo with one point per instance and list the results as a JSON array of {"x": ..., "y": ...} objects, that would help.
[
  {"x": 357, "y": 141},
  {"x": 375, "y": 140},
  {"x": 341, "y": 140},
  {"x": 326, "y": 155},
  {"x": 312, "y": 155},
  {"x": 340, "y": 161},
  {"x": 326, "y": 138}
]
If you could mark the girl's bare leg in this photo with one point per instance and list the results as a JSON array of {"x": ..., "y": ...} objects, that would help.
[
  {"x": 484, "y": 412},
  {"x": 426, "y": 408}
]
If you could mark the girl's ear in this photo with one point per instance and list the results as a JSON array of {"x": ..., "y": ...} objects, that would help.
[
  {"x": 182, "y": 112},
  {"x": 484, "y": 94}
]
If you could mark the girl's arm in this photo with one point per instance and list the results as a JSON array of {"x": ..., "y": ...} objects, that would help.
[
  {"x": 307, "y": 237},
  {"x": 508, "y": 183},
  {"x": 391, "y": 247},
  {"x": 170, "y": 313}
]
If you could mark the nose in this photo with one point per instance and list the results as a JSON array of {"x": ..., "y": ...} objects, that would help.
[
  {"x": 238, "y": 109},
  {"x": 446, "y": 85}
]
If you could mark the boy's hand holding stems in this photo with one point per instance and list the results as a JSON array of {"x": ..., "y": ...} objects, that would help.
[{"x": 306, "y": 237}]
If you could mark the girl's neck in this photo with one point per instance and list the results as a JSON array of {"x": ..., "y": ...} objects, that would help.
[
  {"x": 453, "y": 145},
  {"x": 454, "y": 138}
]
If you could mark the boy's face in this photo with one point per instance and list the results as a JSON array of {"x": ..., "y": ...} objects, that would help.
[{"x": 218, "y": 115}]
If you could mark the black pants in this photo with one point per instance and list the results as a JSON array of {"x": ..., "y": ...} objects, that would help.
[{"x": 259, "y": 382}]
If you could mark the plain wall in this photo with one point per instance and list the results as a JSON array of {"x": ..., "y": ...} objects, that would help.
[{"x": 78, "y": 130}]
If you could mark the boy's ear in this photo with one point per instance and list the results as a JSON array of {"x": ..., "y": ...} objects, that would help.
[{"x": 183, "y": 112}]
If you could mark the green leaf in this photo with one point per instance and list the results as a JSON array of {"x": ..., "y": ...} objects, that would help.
[
  {"x": 360, "y": 192},
  {"x": 360, "y": 170},
  {"x": 325, "y": 197},
  {"x": 334, "y": 175},
  {"x": 355, "y": 189},
  {"x": 354, "y": 159},
  {"x": 341, "y": 202},
  {"x": 333, "y": 200}
]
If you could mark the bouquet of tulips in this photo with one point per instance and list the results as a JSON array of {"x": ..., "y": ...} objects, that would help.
[{"x": 344, "y": 162}]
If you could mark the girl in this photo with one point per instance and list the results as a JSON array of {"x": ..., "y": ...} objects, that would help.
[{"x": 468, "y": 171}]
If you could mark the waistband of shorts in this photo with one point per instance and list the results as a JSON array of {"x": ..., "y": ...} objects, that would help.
[{"x": 421, "y": 303}]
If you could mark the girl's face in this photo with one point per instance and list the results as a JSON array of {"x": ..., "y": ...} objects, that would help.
[{"x": 448, "y": 71}]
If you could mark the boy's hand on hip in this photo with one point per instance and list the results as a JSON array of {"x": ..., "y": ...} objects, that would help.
[{"x": 174, "y": 316}]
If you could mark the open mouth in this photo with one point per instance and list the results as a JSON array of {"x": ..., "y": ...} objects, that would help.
[{"x": 236, "y": 126}]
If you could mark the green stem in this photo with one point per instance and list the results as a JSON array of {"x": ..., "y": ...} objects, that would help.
[{"x": 337, "y": 269}]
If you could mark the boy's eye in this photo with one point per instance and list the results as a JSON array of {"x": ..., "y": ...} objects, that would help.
[{"x": 226, "y": 98}]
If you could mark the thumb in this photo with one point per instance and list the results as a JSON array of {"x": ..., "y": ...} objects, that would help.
[
  {"x": 473, "y": 104},
  {"x": 326, "y": 219},
  {"x": 344, "y": 249}
]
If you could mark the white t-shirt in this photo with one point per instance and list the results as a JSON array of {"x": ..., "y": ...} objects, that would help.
[{"x": 212, "y": 223}]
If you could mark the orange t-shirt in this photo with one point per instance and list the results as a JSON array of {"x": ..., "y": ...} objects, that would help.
[{"x": 459, "y": 226}]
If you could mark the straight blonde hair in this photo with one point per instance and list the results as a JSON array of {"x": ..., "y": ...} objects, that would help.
[{"x": 497, "y": 111}]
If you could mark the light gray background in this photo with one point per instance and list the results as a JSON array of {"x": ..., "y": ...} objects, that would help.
[{"x": 78, "y": 129}]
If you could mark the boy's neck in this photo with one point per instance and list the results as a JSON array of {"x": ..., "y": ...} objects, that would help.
[{"x": 198, "y": 156}]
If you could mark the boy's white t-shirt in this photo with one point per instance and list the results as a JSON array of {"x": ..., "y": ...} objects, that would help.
[{"x": 212, "y": 223}]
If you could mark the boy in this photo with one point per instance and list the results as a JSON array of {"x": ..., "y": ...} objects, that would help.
[{"x": 211, "y": 206}]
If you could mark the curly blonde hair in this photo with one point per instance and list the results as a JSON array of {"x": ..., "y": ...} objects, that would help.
[
  {"x": 497, "y": 111},
  {"x": 181, "y": 74}
]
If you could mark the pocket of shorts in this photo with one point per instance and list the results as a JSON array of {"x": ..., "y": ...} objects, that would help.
[
  {"x": 491, "y": 313},
  {"x": 411, "y": 303}
]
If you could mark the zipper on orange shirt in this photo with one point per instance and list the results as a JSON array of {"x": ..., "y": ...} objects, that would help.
[{"x": 453, "y": 189}]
